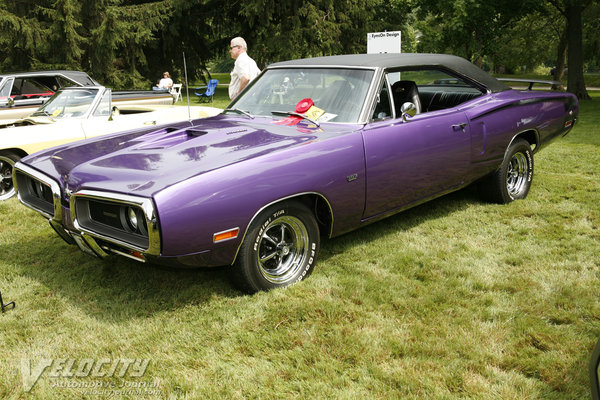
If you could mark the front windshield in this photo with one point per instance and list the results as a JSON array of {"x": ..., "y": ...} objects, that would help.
[
  {"x": 338, "y": 92},
  {"x": 68, "y": 103}
]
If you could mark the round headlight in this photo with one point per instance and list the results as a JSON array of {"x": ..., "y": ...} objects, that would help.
[{"x": 132, "y": 217}]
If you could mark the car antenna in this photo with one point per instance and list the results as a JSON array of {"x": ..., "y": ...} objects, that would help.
[{"x": 187, "y": 88}]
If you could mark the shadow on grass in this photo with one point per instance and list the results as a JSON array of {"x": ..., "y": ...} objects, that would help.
[
  {"x": 115, "y": 288},
  {"x": 119, "y": 289},
  {"x": 405, "y": 220}
]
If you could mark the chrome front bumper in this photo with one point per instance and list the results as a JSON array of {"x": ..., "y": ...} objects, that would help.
[{"x": 90, "y": 236}]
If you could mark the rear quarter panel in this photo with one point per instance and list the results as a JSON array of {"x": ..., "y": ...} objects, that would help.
[{"x": 496, "y": 122}]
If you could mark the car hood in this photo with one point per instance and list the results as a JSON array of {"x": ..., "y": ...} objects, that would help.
[{"x": 144, "y": 162}]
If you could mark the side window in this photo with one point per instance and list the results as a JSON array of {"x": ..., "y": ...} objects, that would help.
[
  {"x": 16, "y": 87},
  {"x": 432, "y": 89},
  {"x": 29, "y": 87},
  {"x": 103, "y": 109},
  {"x": 64, "y": 82},
  {"x": 383, "y": 109}
]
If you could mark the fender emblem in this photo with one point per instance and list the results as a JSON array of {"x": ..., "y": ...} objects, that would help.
[{"x": 352, "y": 177}]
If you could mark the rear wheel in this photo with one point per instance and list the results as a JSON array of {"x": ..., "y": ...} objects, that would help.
[
  {"x": 7, "y": 161},
  {"x": 512, "y": 180},
  {"x": 280, "y": 248}
]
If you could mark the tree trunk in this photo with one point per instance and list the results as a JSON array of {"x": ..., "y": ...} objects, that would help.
[
  {"x": 575, "y": 81},
  {"x": 559, "y": 70}
]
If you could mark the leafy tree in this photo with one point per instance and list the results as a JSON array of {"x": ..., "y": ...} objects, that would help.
[
  {"x": 21, "y": 34},
  {"x": 591, "y": 36},
  {"x": 469, "y": 28},
  {"x": 62, "y": 47},
  {"x": 129, "y": 43},
  {"x": 197, "y": 28},
  {"x": 106, "y": 38},
  {"x": 294, "y": 29},
  {"x": 572, "y": 11},
  {"x": 525, "y": 42}
]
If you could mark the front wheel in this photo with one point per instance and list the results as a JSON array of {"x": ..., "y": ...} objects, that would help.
[
  {"x": 512, "y": 180},
  {"x": 279, "y": 249},
  {"x": 7, "y": 161}
]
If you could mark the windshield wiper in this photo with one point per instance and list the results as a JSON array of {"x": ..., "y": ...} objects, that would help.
[
  {"x": 237, "y": 110},
  {"x": 41, "y": 112},
  {"x": 44, "y": 113},
  {"x": 295, "y": 114}
]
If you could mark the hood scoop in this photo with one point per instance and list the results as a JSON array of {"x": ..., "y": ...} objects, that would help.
[
  {"x": 170, "y": 137},
  {"x": 194, "y": 132}
]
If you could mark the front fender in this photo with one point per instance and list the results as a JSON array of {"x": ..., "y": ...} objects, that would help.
[{"x": 192, "y": 211}]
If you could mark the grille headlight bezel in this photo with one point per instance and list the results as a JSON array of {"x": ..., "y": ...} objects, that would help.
[
  {"x": 106, "y": 216},
  {"x": 32, "y": 188}
]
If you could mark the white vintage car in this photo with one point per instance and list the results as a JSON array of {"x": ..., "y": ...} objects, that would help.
[
  {"x": 21, "y": 93},
  {"x": 77, "y": 113}
]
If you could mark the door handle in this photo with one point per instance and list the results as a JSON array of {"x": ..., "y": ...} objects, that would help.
[{"x": 460, "y": 126}]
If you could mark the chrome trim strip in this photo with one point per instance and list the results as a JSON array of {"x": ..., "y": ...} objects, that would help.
[
  {"x": 54, "y": 186},
  {"x": 369, "y": 102},
  {"x": 328, "y": 66},
  {"x": 278, "y": 201},
  {"x": 147, "y": 206},
  {"x": 536, "y": 144},
  {"x": 121, "y": 253}
]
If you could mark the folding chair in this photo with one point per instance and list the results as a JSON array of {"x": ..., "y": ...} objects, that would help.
[
  {"x": 209, "y": 90},
  {"x": 176, "y": 91}
]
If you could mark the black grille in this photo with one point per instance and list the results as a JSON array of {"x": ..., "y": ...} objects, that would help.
[
  {"x": 106, "y": 213},
  {"x": 35, "y": 193},
  {"x": 110, "y": 220}
]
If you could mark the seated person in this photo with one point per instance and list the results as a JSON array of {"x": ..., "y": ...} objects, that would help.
[{"x": 165, "y": 83}]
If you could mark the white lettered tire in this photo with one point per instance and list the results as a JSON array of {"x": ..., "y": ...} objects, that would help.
[
  {"x": 512, "y": 180},
  {"x": 279, "y": 249}
]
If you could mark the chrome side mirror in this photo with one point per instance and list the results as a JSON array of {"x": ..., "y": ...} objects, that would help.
[
  {"x": 408, "y": 110},
  {"x": 10, "y": 101},
  {"x": 115, "y": 112}
]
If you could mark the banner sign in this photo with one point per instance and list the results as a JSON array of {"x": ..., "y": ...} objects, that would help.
[{"x": 384, "y": 42}]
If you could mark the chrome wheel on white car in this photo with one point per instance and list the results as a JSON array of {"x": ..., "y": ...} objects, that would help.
[{"x": 7, "y": 161}]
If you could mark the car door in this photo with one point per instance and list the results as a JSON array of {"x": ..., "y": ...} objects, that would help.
[{"x": 408, "y": 161}]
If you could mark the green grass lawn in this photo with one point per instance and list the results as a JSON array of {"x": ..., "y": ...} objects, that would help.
[
  {"x": 220, "y": 99},
  {"x": 453, "y": 299}
]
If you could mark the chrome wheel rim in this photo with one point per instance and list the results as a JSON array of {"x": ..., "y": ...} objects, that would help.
[
  {"x": 516, "y": 175},
  {"x": 282, "y": 249},
  {"x": 7, "y": 189}
]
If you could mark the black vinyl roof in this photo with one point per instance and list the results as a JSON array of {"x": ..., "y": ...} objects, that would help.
[
  {"x": 78, "y": 77},
  {"x": 390, "y": 61}
]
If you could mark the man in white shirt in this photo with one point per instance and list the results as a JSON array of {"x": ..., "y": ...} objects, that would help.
[{"x": 245, "y": 68}]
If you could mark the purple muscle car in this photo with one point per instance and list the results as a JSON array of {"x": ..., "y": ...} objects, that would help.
[{"x": 314, "y": 147}]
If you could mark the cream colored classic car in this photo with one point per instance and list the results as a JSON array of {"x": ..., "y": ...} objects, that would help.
[
  {"x": 21, "y": 93},
  {"x": 77, "y": 113}
]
